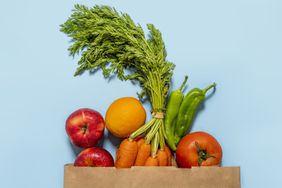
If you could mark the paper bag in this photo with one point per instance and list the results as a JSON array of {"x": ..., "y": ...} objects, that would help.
[{"x": 146, "y": 177}]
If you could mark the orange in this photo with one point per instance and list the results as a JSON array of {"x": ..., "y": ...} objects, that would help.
[{"x": 124, "y": 116}]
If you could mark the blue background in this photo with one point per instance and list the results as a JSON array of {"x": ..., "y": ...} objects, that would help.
[{"x": 236, "y": 44}]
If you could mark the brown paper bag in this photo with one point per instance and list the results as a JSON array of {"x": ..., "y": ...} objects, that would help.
[{"x": 157, "y": 177}]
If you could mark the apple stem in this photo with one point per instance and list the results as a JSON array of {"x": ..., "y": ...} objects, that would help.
[{"x": 84, "y": 128}]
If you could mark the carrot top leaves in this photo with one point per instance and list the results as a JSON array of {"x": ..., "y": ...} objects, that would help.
[{"x": 111, "y": 41}]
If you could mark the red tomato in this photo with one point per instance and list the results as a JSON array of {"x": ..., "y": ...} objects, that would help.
[{"x": 198, "y": 149}]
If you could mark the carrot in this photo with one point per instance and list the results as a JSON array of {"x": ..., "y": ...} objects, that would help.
[
  {"x": 152, "y": 161},
  {"x": 117, "y": 153},
  {"x": 126, "y": 154},
  {"x": 143, "y": 154},
  {"x": 140, "y": 142},
  {"x": 168, "y": 152},
  {"x": 162, "y": 158}
]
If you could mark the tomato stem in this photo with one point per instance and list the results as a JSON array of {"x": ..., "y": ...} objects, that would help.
[{"x": 202, "y": 154}]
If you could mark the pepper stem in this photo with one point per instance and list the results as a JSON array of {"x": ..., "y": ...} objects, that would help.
[
  {"x": 209, "y": 87},
  {"x": 183, "y": 83}
]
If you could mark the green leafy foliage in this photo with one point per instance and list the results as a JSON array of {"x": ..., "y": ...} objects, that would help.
[{"x": 111, "y": 41}]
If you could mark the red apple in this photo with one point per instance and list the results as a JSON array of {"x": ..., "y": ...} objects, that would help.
[
  {"x": 95, "y": 157},
  {"x": 85, "y": 127}
]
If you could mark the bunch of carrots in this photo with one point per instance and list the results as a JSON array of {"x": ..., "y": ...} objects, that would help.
[{"x": 138, "y": 153}]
